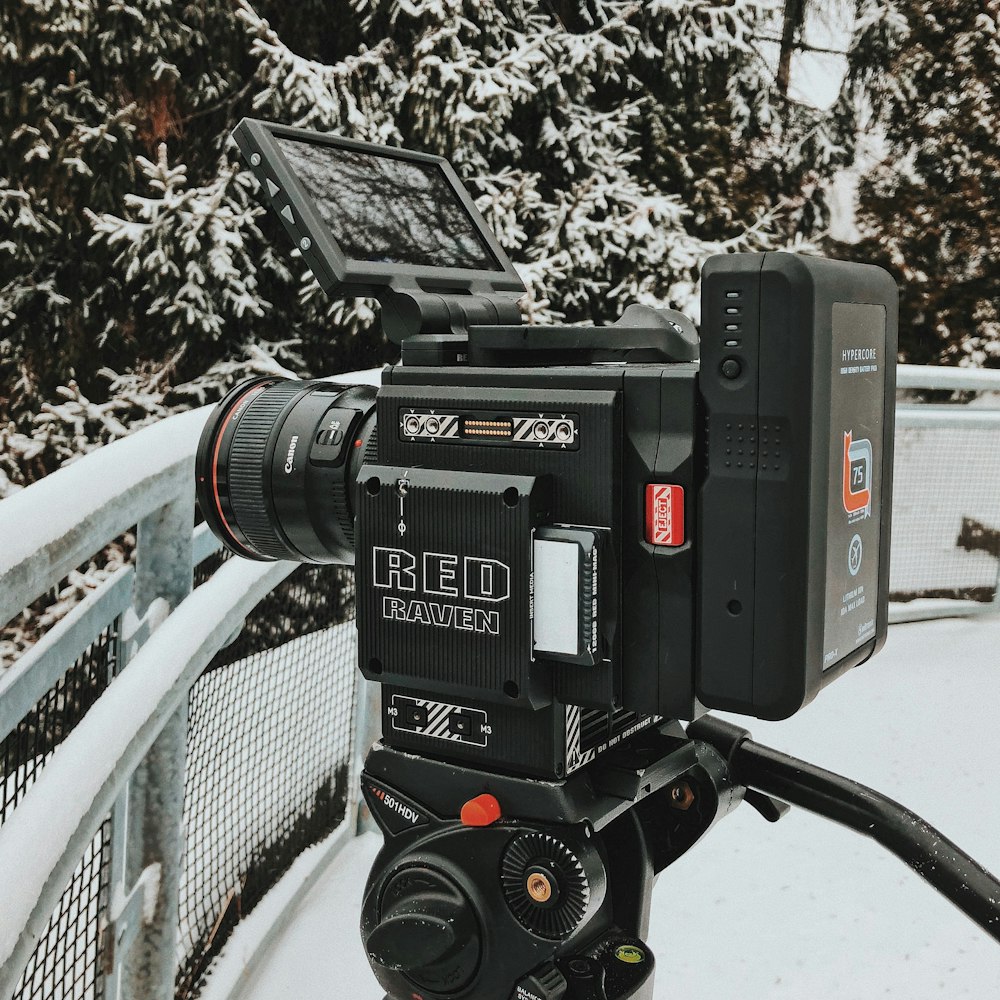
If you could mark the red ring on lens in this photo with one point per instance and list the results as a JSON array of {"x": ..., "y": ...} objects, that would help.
[{"x": 253, "y": 390}]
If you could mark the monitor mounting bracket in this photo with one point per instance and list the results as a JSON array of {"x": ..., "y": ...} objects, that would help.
[{"x": 409, "y": 311}]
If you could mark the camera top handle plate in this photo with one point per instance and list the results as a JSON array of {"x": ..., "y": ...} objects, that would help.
[{"x": 641, "y": 334}]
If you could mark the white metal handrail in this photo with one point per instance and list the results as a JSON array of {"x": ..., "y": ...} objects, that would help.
[
  {"x": 950, "y": 379},
  {"x": 133, "y": 737},
  {"x": 56, "y": 524},
  {"x": 51, "y": 828}
]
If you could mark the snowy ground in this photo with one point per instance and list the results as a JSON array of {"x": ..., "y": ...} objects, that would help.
[{"x": 803, "y": 910}]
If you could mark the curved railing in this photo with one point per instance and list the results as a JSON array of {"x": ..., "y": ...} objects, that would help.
[
  {"x": 946, "y": 507},
  {"x": 123, "y": 763},
  {"x": 122, "y": 767}
]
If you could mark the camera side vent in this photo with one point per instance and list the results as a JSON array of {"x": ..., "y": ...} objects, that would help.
[{"x": 597, "y": 726}]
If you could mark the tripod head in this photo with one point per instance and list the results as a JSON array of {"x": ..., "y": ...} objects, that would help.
[
  {"x": 498, "y": 887},
  {"x": 503, "y": 888}
]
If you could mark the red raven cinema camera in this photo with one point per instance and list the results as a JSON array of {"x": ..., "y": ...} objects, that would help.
[{"x": 564, "y": 537}]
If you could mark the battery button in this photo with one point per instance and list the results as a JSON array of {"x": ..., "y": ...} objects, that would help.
[{"x": 731, "y": 367}]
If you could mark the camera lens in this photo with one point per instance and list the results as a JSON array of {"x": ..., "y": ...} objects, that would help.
[{"x": 277, "y": 468}]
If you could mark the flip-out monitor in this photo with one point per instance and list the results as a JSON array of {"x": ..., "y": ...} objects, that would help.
[{"x": 366, "y": 218}]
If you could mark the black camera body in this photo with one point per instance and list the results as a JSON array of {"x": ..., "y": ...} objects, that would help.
[
  {"x": 503, "y": 639},
  {"x": 676, "y": 550},
  {"x": 565, "y": 539}
]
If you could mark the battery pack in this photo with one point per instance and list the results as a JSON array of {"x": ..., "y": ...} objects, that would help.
[{"x": 798, "y": 381}]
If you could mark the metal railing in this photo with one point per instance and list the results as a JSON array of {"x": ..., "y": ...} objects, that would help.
[
  {"x": 114, "y": 786},
  {"x": 947, "y": 477},
  {"x": 118, "y": 775}
]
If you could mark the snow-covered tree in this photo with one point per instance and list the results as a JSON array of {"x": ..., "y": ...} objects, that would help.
[
  {"x": 86, "y": 88},
  {"x": 929, "y": 74},
  {"x": 611, "y": 144}
]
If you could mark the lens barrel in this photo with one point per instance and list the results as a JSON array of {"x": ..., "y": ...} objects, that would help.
[{"x": 277, "y": 468}]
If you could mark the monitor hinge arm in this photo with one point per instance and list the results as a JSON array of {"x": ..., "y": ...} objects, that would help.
[{"x": 408, "y": 312}]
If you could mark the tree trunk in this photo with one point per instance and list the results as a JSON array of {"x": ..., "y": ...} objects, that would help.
[{"x": 795, "y": 11}]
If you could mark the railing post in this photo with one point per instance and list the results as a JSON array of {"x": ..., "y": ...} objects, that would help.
[
  {"x": 147, "y": 842},
  {"x": 367, "y": 729}
]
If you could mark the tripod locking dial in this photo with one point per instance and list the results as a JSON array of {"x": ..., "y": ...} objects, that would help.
[{"x": 427, "y": 930}]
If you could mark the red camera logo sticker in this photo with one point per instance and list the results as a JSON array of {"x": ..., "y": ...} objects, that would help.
[
  {"x": 858, "y": 463},
  {"x": 664, "y": 514}
]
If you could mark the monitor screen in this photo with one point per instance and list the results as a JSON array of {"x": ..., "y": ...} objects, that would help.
[{"x": 381, "y": 209}]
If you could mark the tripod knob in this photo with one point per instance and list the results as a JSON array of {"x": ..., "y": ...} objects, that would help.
[{"x": 426, "y": 930}]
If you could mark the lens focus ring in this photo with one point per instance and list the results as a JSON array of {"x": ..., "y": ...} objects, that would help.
[
  {"x": 248, "y": 462},
  {"x": 277, "y": 468}
]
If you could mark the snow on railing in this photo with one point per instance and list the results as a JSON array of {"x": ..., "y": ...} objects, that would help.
[
  {"x": 49, "y": 831},
  {"x": 59, "y": 522},
  {"x": 126, "y": 756},
  {"x": 47, "y": 530}
]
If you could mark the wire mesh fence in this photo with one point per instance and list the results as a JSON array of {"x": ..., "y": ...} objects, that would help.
[
  {"x": 946, "y": 513},
  {"x": 66, "y": 963},
  {"x": 270, "y": 736}
]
